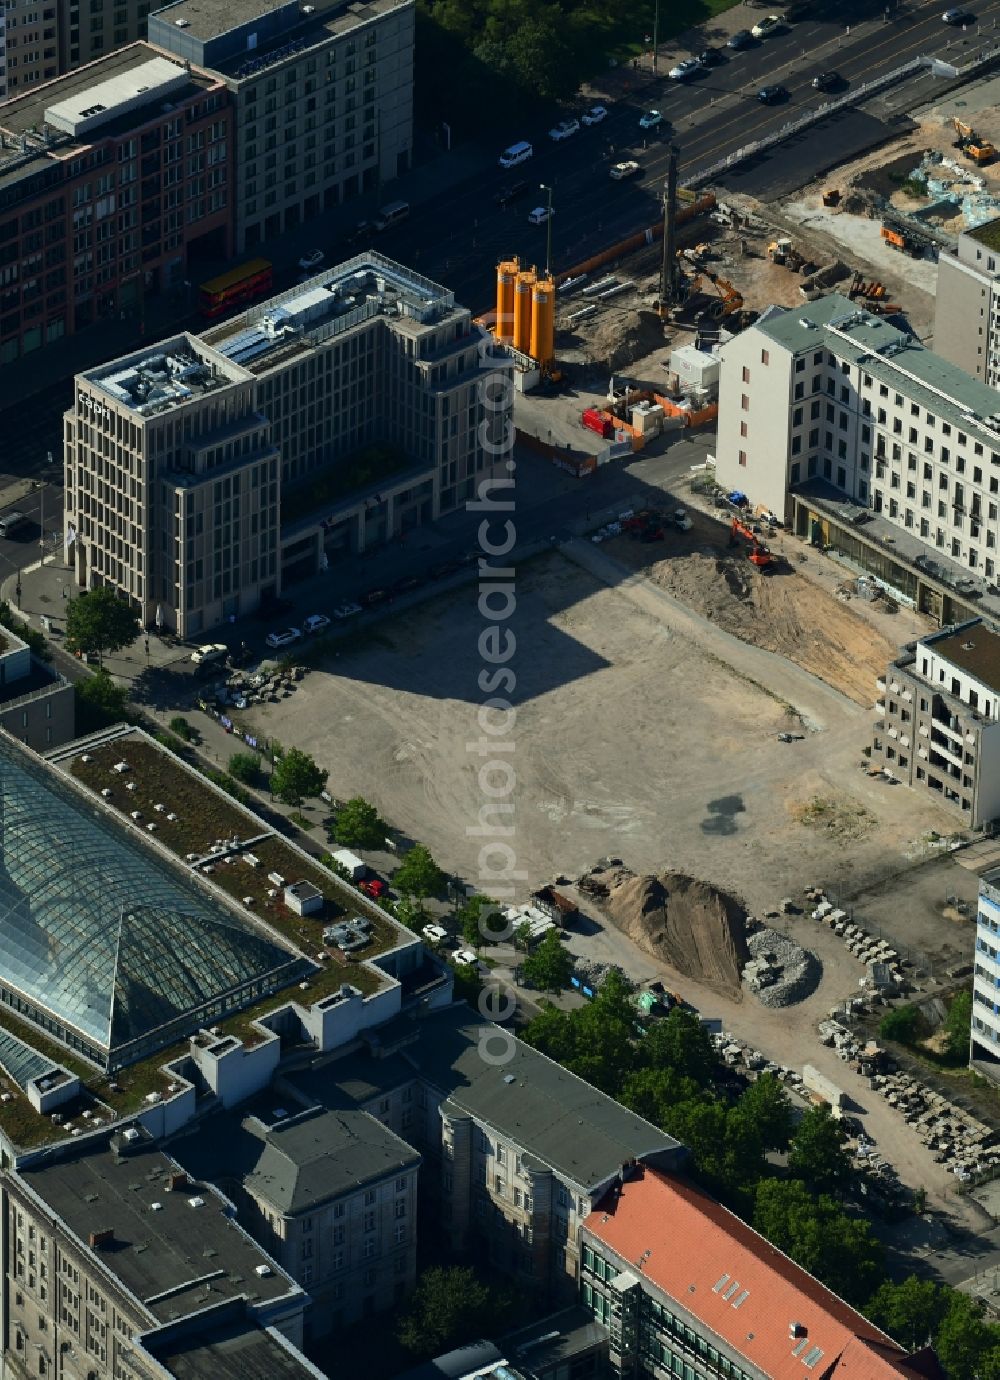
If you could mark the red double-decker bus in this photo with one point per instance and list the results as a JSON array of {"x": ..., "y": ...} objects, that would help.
[{"x": 243, "y": 284}]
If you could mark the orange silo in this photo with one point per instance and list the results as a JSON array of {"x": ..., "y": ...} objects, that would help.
[
  {"x": 543, "y": 329},
  {"x": 507, "y": 272},
  {"x": 522, "y": 310}
]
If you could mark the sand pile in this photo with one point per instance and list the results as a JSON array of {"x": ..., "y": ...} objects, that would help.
[
  {"x": 618, "y": 340},
  {"x": 688, "y": 924}
]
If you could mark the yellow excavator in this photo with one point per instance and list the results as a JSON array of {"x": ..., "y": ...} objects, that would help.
[{"x": 980, "y": 151}]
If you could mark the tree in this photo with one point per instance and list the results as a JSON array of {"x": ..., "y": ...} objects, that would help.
[
  {"x": 522, "y": 936},
  {"x": 476, "y": 919},
  {"x": 245, "y": 767},
  {"x": 549, "y": 968},
  {"x": 681, "y": 1042},
  {"x": 100, "y": 702},
  {"x": 295, "y": 776},
  {"x": 418, "y": 874},
  {"x": 910, "y": 1311},
  {"x": 902, "y": 1024},
  {"x": 836, "y": 1248},
  {"x": 766, "y": 1102},
  {"x": 957, "y": 1024},
  {"x": 817, "y": 1153},
  {"x": 358, "y": 825},
  {"x": 450, "y": 1306},
  {"x": 967, "y": 1346},
  {"x": 98, "y": 622}
]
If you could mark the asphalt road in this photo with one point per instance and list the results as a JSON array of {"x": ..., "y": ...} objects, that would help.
[{"x": 44, "y": 505}]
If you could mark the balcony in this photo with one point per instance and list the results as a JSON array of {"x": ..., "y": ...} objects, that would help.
[
  {"x": 922, "y": 752},
  {"x": 904, "y": 740},
  {"x": 908, "y": 696},
  {"x": 924, "y": 731},
  {"x": 895, "y": 687},
  {"x": 880, "y": 706},
  {"x": 893, "y": 731},
  {"x": 880, "y": 682}
]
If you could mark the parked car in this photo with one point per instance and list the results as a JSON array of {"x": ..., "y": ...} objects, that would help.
[
  {"x": 684, "y": 69},
  {"x": 622, "y": 171},
  {"x": 311, "y": 261},
  {"x": 316, "y": 622},
  {"x": 464, "y": 957},
  {"x": 772, "y": 95},
  {"x": 711, "y": 57},
  {"x": 958, "y": 17},
  {"x": 435, "y": 933},
  {"x": 539, "y": 215},
  {"x": 373, "y": 887},
  {"x": 741, "y": 39},
  {"x": 652, "y": 119},
  {"x": 209, "y": 652},
  {"x": 283, "y": 638},
  {"x": 594, "y": 115},
  {"x": 767, "y": 26},
  {"x": 564, "y": 129},
  {"x": 406, "y": 583},
  {"x": 346, "y": 610},
  {"x": 826, "y": 81},
  {"x": 375, "y": 596},
  {"x": 508, "y": 195}
]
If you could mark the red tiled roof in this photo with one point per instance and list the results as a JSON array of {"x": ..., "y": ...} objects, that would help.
[{"x": 738, "y": 1285}]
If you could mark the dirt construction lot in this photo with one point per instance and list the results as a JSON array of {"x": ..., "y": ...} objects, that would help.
[{"x": 642, "y": 730}]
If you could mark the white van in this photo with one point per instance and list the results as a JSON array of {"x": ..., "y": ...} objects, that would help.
[
  {"x": 391, "y": 215},
  {"x": 517, "y": 153}
]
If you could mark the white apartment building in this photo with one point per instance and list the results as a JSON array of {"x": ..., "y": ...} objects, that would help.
[
  {"x": 984, "y": 1054},
  {"x": 323, "y": 95},
  {"x": 937, "y": 723},
  {"x": 204, "y": 472},
  {"x": 863, "y": 439},
  {"x": 967, "y": 305}
]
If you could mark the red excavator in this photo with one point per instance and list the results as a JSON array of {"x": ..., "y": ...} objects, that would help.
[{"x": 759, "y": 554}]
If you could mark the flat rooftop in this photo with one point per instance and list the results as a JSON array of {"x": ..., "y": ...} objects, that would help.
[
  {"x": 973, "y": 648},
  {"x": 988, "y": 234},
  {"x": 237, "y": 1349},
  {"x": 210, "y": 19},
  {"x": 166, "y": 1255},
  {"x": 163, "y": 376},
  {"x": 340, "y": 298}
]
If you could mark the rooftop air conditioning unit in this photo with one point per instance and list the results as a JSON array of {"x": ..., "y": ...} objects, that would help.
[
  {"x": 262, "y": 1271},
  {"x": 196, "y": 1202},
  {"x": 183, "y": 23}
]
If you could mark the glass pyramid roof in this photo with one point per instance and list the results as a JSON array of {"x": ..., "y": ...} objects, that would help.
[{"x": 96, "y": 930}]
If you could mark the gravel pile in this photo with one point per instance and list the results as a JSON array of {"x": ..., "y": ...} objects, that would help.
[{"x": 779, "y": 971}]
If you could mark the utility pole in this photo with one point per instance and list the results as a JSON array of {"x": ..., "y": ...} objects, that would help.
[
  {"x": 548, "y": 228},
  {"x": 656, "y": 35},
  {"x": 668, "y": 270}
]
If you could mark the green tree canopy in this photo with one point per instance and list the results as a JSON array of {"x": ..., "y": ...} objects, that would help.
[
  {"x": 295, "y": 776},
  {"x": 767, "y": 1104},
  {"x": 359, "y": 825},
  {"x": 100, "y": 702},
  {"x": 681, "y": 1042},
  {"x": 480, "y": 921},
  {"x": 245, "y": 767},
  {"x": 957, "y": 1026},
  {"x": 817, "y": 1154},
  {"x": 418, "y": 874},
  {"x": 819, "y": 1236},
  {"x": 450, "y": 1306},
  {"x": 967, "y": 1345},
  {"x": 97, "y": 621},
  {"x": 550, "y": 967},
  {"x": 910, "y": 1311},
  {"x": 902, "y": 1024}
]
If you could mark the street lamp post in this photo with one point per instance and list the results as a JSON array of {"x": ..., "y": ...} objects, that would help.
[
  {"x": 548, "y": 228},
  {"x": 656, "y": 35}
]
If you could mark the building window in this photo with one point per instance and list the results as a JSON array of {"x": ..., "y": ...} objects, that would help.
[
  {"x": 743, "y": 457},
  {"x": 765, "y": 357},
  {"x": 745, "y": 402},
  {"x": 746, "y": 374}
]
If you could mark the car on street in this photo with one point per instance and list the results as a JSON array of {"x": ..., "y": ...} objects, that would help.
[
  {"x": 375, "y": 596},
  {"x": 565, "y": 129},
  {"x": 406, "y": 583},
  {"x": 311, "y": 261},
  {"x": 767, "y": 26},
  {"x": 826, "y": 81},
  {"x": 209, "y": 652},
  {"x": 508, "y": 195},
  {"x": 284, "y": 637},
  {"x": 652, "y": 119},
  {"x": 464, "y": 957},
  {"x": 346, "y": 610},
  {"x": 539, "y": 215},
  {"x": 772, "y": 95},
  {"x": 373, "y": 887},
  {"x": 741, "y": 39},
  {"x": 434, "y": 933},
  {"x": 684, "y": 69},
  {"x": 711, "y": 57},
  {"x": 316, "y": 622},
  {"x": 958, "y": 17},
  {"x": 361, "y": 234},
  {"x": 622, "y": 171},
  {"x": 594, "y": 115}
]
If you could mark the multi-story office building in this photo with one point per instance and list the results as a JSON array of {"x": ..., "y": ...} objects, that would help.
[
  {"x": 37, "y": 704},
  {"x": 31, "y": 43},
  {"x": 984, "y": 1052},
  {"x": 938, "y": 719},
  {"x": 688, "y": 1290},
  {"x": 323, "y": 95},
  {"x": 967, "y": 305},
  {"x": 863, "y": 439},
  {"x": 331, "y": 1195},
  {"x": 344, "y": 411},
  {"x": 110, "y": 178},
  {"x": 44, "y": 40}
]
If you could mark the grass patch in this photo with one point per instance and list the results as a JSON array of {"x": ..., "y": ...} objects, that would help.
[{"x": 300, "y": 821}]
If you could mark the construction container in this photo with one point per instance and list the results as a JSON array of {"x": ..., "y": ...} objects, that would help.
[
  {"x": 507, "y": 272},
  {"x": 595, "y": 420},
  {"x": 523, "y": 289},
  {"x": 543, "y": 315}
]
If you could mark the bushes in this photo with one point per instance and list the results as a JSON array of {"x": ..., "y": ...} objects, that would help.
[
  {"x": 245, "y": 767},
  {"x": 902, "y": 1024}
]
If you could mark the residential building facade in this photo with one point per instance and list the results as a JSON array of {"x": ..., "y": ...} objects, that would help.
[
  {"x": 967, "y": 304},
  {"x": 984, "y": 1051},
  {"x": 31, "y": 44},
  {"x": 323, "y": 96},
  {"x": 937, "y": 725},
  {"x": 861, "y": 438},
  {"x": 120, "y": 174},
  {"x": 191, "y": 465},
  {"x": 688, "y": 1290}
]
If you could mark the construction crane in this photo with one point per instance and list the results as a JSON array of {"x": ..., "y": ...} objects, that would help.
[
  {"x": 979, "y": 150},
  {"x": 759, "y": 554}
]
